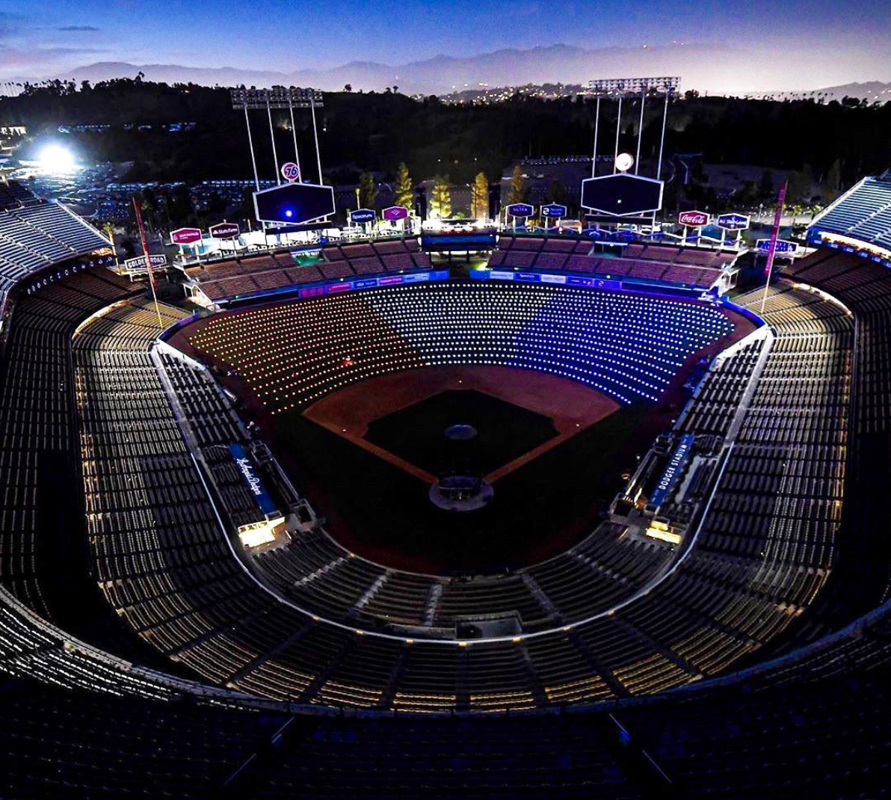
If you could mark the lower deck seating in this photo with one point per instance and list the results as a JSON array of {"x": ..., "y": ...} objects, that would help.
[
  {"x": 686, "y": 266},
  {"x": 813, "y": 723},
  {"x": 604, "y": 339}
]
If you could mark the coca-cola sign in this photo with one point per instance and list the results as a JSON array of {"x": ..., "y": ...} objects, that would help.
[
  {"x": 225, "y": 230},
  {"x": 693, "y": 219},
  {"x": 185, "y": 236}
]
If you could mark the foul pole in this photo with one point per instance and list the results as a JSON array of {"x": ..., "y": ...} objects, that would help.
[
  {"x": 772, "y": 249},
  {"x": 137, "y": 208}
]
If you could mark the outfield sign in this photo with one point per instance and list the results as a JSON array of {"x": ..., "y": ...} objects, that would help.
[
  {"x": 783, "y": 246},
  {"x": 395, "y": 213},
  {"x": 622, "y": 195},
  {"x": 520, "y": 210},
  {"x": 290, "y": 172},
  {"x": 734, "y": 222},
  {"x": 541, "y": 277},
  {"x": 554, "y": 211},
  {"x": 185, "y": 236},
  {"x": 294, "y": 203},
  {"x": 693, "y": 219},
  {"x": 672, "y": 470},
  {"x": 254, "y": 484},
  {"x": 362, "y": 215},
  {"x": 370, "y": 283},
  {"x": 224, "y": 230},
  {"x": 139, "y": 262}
]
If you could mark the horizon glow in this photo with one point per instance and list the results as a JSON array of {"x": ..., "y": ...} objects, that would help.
[{"x": 769, "y": 45}]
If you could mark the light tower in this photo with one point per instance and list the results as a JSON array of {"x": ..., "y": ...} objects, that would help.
[
  {"x": 278, "y": 97},
  {"x": 620, "y": 196}
]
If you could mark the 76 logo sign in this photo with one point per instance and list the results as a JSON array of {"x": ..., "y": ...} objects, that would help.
[{"x": 290, "y": 171}]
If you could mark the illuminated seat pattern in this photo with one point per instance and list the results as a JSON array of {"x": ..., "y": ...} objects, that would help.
[{"x": 629, "y": 347}]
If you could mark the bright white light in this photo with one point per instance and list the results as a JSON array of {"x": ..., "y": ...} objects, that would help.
[
  {"x": 56, "y": 160},
  {"x": 624, "y": 162}
]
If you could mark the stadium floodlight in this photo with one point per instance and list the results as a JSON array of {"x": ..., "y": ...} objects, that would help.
[
  {"x": 634, "y": 87},
  {"x": 619, "y": 89},
  {"x": 277, "y": 97},
  {"x": 55, "y": 159}
]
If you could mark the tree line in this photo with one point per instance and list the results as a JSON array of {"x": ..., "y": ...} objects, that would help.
[{"x": 377, "y": 131}]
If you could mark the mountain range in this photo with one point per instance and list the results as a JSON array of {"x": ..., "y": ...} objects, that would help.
[{"x": 712, "y": 68}]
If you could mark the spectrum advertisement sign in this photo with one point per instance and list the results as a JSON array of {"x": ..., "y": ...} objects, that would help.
[{"x": 361, "y": 216}]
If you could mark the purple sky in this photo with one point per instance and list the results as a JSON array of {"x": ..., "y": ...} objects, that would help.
[{"x": 793, "y": 44}]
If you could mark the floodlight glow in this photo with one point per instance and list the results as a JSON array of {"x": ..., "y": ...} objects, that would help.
[{"x": 56, "y": 159}]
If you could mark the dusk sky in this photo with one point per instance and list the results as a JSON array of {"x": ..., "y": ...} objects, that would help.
[{"x": 811, "y": 42}]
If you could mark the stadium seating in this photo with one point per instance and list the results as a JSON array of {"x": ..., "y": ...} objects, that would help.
[
  {"x": 863, "y": 213},
  {"x": 36, "y": 420},
  {"x": 756, "y": 664},
  {"x": 255, "y": 274},
  {"x": 35, "y": 234},
  {"x": 786, "y": 556},
  {"x": 161, "y": 562},
  {"x": 603, "y": 339},
  {"x": 680, "y": 265},
  {"x": 57, "y": 743}
]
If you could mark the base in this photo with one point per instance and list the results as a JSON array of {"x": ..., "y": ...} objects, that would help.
[{"x": 461, "y": 493}]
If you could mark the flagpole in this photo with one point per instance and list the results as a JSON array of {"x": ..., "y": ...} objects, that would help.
[
  {"x": 772, "y": 249},
  {"x": 137, "y": 207}
]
